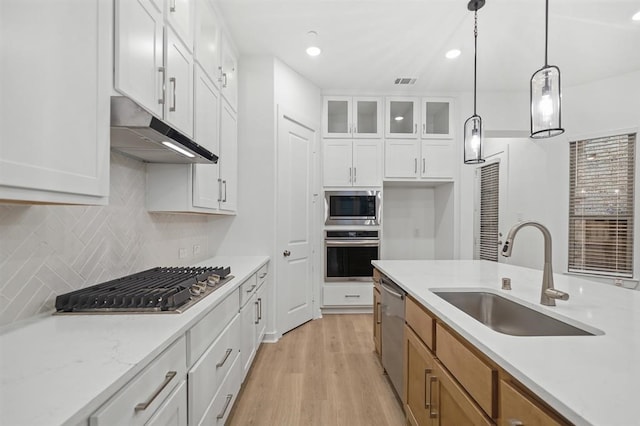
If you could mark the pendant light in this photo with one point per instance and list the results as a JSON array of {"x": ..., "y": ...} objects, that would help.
[
  {"x": 545, "y": 94},
  {"x": 473, "y": 125}
]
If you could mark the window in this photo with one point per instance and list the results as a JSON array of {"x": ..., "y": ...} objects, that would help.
[
  {"x": 489, "y": 195},
  {"x": 601, "y": 205}
]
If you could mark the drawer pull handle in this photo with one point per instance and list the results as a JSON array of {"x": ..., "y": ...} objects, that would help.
[
  {"x": 514, "y": 422},
  {"x": 351, "y": 295},
  {"x": 226, "y": 405},
  {"x": 257, "y": 321},
  {"x": 379, "y": 310},
  {"x": 144, "y": 405},
  {"x": 259, "y": 309},
  {"x": 262, "y": 275},
  {"x": 226, "y": 355},
  {"x": 172, "y": 80},
  {"x": 251, "y": 289}
]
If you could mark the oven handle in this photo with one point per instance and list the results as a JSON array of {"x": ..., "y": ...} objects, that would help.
[{"x": 352, "y": 243}]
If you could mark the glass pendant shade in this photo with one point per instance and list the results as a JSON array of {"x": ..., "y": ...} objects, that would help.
[
  {"x": 473, "y": 140},
  {"x": 545, "y": 103}
]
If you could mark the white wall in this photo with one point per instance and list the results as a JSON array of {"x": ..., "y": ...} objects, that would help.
[
  {"x": 538, "y": 170},
  {"x": 408, "y": 223}
]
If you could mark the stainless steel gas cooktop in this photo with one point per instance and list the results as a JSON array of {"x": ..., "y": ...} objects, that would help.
[{"x": 157, "y": 290}]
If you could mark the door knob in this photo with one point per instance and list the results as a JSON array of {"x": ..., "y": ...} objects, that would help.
[{"x": 286, "y": 253}]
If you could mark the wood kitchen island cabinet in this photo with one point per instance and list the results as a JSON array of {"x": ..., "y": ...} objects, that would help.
[{"x": 449, "y": 382}]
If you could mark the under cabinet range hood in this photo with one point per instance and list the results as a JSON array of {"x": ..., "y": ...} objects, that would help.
[{"x": 137, "y": 133}]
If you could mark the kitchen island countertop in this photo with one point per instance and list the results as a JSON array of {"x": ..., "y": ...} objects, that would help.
[
  {"x": 588, "y": 379},
  {"x": 59, "y": 369}
]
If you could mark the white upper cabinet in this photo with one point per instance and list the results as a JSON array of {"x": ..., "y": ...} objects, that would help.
[
  {"x": 352, "y": 117},
  {"x": 228, "y": 158},
  {"x": 348, "y": 163},
  {"x": 411, "y": 159},
  {"x": 207, "y": 133},
  {"x": 402, "y": 118},
  {"x": 179, "y": 74},
  {"x": 138, "y": 56},
  {"x": 437, "y": 160},
  {"x": 437, "y": 118},
  {"x": 229, "y": 73},
  {"x": 180, "y": 14},
  {"x": 208, "y": 40},
  {"x": 401, "y": 159},
  {"x": 54, "y": 102}
]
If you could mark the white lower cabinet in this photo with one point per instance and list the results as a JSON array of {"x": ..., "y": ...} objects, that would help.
[
  {"x": 253, "y": 316},
  {"x": 218, "y": 411},
  {"x": 207, "y": 375},
  {"x": 144, "y": 395},
  {"x": 173, "y": 411},
  {"x": 347, "y": 295}
]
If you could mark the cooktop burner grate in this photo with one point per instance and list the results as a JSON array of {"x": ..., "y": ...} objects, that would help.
[{"x": 160, "y": 289}]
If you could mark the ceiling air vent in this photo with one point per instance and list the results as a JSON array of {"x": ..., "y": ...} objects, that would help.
[{"x": 405, "y": 80}]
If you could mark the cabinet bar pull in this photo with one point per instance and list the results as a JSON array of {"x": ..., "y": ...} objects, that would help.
[
  {"x": 514, "y": 422},
  {"x": 350, "y": 175},
  {"x": 226, "y": 405},
  {"x": 173, "y": 6},
  {"x": 173, "y": 80},
  {"x": 219, "y": 189},
  {"x": 225, "y": 191},
  {"x": 379, "y": 313},
  {"x": 424, "y": 166},
  {"x": 352, "y": 295},
  {"x": 427, "y": 392},
  {"x": 144, "y": 405},
  {"x": 161, "y": 100},
  {"x": 424, "y": 128},
  {"x": 355, "y": 176},
  {"x": 262, "y": 275},
  {"x": 226, "y": 355},
  {"x": 251, "y": 289},
  {"x": 433, "y": 411},
  {"x": 257, "y": 314},
  {"x": 259, "y": 309},
  {"x": 224, "y": 80},
  {"x": 415, "y": 165},
  {"x": 415, "y": 128}
]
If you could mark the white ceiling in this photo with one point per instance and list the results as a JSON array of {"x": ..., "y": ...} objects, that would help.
[{"x": 368, "y": 43}]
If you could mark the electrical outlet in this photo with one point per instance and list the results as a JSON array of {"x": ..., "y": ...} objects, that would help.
[
  {"x": 196, "y": 249},
  {"x": 182, "y": 253}
]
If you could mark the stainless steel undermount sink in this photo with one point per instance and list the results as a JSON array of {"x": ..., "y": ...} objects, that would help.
[{"x": 509, "y": 317}]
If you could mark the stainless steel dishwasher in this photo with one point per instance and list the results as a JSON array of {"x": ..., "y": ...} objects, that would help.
[{"x": 392, "y": 332}]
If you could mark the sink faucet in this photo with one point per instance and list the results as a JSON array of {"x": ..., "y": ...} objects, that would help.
[{"x": 548, "y": 293}]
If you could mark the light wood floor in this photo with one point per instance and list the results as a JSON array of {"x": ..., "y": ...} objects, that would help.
[{"x": 323, "y": 373}]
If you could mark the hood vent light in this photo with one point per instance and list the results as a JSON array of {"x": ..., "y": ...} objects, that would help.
[{"x": 405, "y": 81}]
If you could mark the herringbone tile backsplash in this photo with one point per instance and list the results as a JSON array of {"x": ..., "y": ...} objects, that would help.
[{"x": 50, "y": 250}]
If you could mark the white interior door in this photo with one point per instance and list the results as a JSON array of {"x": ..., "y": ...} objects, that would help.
[{"x": 294, "y": 218}]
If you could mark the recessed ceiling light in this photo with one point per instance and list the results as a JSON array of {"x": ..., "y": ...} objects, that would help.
[
  {"x": 399, "y": 118},
  {"x": 636, "y": 17},
  {"x": 313, "y": 51},
  {"x": 453, "y": 53}
]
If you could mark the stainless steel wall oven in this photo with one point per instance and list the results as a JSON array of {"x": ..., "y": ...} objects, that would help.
[
  {"x": 348, "y": 255},
  {"x": 352, "y": 207}
]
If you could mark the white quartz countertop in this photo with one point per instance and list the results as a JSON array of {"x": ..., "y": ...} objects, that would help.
[
  {"x": 588, "y": 379},
  {"x": 59, "y": 369}
]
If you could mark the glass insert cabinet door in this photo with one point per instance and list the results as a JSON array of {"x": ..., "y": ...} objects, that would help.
[
  {"x": 352, "y": 117},
  {"x": 436, "y": 118},
  {"x": 401, "y": 118}
]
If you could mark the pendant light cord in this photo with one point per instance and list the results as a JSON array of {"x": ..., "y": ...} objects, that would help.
[
  {"x": 475, "y": 58},
  {"x": 546, "y": 32}
]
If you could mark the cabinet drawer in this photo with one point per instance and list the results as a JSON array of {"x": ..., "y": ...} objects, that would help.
[
  {"x": 262, "y": 274},
  {"x": 348, "y": 295},
  {"x": 517, "y": 408},
  {"x": 420, "y": 321},
  {"x": 207, "y": 374},
  {"x": 219, "y": 409},
  {"x": 140, "y": 398},
  {"x": 208, "y": 328},
  {"x": 173, "y": 411},
  {"x": 475, "y": 375},
  {"x": 247, "y": 288}
]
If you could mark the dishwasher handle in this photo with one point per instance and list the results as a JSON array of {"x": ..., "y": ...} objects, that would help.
[{"x": 390, "y": 290}]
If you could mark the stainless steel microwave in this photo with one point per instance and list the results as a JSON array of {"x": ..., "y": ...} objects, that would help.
[{"x": 352, "y": 207}]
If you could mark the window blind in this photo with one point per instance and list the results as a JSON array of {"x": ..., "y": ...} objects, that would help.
[
  {"x": 489, "y": 200},
  {"x": 601, "y": 188}
]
